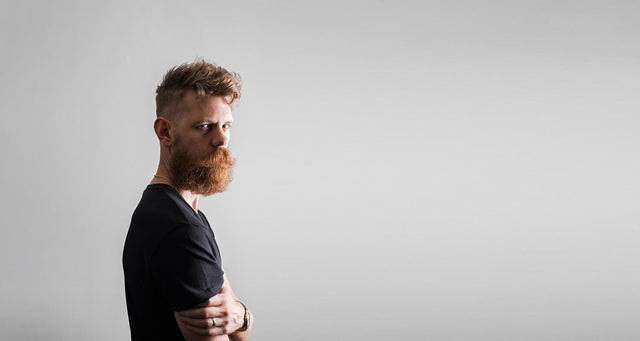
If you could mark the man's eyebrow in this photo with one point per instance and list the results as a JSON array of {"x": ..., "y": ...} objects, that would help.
[{"x": 208, "y": 120}]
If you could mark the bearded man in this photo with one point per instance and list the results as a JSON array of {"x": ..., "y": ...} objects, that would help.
[{"x": 175, "y": 286}]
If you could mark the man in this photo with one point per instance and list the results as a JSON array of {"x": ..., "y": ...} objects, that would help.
[{"x": 174, "y": 283}]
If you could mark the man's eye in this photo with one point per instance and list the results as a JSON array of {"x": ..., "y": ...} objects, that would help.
[
  {"x": 226, "y": 125},
  {"x": 204, "y": 126}
]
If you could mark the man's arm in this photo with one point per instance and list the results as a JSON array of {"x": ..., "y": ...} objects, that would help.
[
  {"x": 238, "y": 335},
  {"x": 223, "y": 309}
]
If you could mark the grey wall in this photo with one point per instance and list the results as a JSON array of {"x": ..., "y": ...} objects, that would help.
[{"x": 462, "y": 170}]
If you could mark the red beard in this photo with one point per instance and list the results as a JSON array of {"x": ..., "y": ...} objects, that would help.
[{"x": 206, "y": 175}]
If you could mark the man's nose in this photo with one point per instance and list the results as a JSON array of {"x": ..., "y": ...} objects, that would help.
[{"x": 219, "y": 138}]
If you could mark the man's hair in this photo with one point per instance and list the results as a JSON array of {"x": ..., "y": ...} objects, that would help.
[{"x": 206, "y": 79}]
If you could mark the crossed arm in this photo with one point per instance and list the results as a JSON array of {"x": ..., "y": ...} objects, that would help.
[{"x": 223, "y": 309}]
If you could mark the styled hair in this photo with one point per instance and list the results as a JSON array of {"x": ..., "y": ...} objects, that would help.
[{"x": 206, "y": 79}]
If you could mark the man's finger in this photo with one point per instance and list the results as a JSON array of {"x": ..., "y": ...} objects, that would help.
[
  {"x": 209, "y": 331},
  {"x": 201, "y": 313},
  {"x": 215, "y": 300},
  {"x": 202, "y": 323}
]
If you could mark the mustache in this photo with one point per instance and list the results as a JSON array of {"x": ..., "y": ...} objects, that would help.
[{"x": 220, "y": 157}]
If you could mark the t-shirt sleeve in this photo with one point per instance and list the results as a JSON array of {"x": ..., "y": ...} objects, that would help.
[{"x": 186, "y": 267}]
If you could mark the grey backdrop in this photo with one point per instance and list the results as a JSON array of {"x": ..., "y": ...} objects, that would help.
[{"x": 429, "y": 170}]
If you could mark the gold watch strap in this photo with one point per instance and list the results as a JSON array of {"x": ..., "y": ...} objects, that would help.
[{"x": 247, "y": 318}]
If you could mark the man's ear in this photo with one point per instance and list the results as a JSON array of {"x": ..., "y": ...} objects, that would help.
[{"x": 162, "y": 128}]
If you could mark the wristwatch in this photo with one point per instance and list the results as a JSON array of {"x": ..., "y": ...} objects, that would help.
[{"x": 247, "y": 318}]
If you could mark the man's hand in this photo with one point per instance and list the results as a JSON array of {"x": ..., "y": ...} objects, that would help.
[{"x": 222, "y": 309}]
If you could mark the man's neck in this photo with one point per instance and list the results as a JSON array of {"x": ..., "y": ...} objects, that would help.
[{"x": 190, "y": 198}]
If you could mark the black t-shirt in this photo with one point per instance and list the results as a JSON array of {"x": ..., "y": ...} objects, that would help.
[{"x": 171, "y": 262}]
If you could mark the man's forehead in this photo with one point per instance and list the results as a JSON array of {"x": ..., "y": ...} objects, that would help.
[{"x": 210, "y": 107}]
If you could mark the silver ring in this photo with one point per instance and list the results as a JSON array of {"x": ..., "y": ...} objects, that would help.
[{"x": 213, "y": 322}]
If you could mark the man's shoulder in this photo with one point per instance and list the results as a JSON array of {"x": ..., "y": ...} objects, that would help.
[
  {"x": 162, "y": 205},
  {"x": 162, "y": 212}
]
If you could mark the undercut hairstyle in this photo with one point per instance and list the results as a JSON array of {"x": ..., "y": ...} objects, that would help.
[{"x": 206, "y": 79}]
